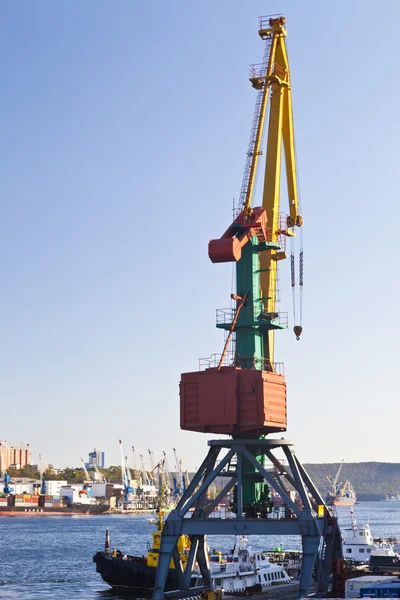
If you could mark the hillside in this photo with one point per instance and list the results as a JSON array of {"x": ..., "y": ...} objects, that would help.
[{"x": 371, "y": 480}]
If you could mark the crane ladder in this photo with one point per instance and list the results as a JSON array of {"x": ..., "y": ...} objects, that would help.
[{"x": 256, "y": 129}]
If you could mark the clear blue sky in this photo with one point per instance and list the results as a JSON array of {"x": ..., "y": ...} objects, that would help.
[{"x": 124, "y": 132}]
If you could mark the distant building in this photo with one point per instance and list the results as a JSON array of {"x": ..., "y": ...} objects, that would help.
[
  {"x": 16, "y": 454},
  {"x": 97, "y": 457}
]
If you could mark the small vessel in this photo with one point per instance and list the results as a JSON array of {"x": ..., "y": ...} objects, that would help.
[
  {"x": 138, "y": 573},
  {"x": 392, "y": 497},
  {"x": 244, "y": 570},
  {"x": 346, "y": 495},
  {"x": 359, "y": 545}
]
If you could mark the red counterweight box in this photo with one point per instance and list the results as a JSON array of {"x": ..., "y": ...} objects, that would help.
[{"x": 233, "y": 401}]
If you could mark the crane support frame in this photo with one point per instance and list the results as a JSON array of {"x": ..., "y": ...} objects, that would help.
[{"x": 309, "y": 518}]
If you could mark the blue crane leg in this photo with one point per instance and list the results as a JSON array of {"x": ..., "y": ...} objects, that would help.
[
  {"x": 168, "y": 543},
  {"x": 310, "y": 545}
]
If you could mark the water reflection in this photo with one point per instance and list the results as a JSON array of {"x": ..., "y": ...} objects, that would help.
[{"x": 117, "y": 595}]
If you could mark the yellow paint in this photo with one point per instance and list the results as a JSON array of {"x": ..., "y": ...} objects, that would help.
[
  {"x": 183, "y": 544},
  {"x": 211, "y": 595},
  {"x": 280, "y": 133},
  {"x": 260, "y": 128}
]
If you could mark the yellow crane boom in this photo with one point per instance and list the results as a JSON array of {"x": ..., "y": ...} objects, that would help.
[{"x": 272, "y": 80}]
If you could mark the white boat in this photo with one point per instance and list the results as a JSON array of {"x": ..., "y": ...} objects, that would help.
[
  {"x": 244, "y": 570},
  {"x": 359, "y": 545},
  {"x": 392, "y": 498}
]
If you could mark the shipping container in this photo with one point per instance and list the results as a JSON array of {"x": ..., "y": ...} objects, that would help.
[
  {"x": 384, "y": 590},
  {"x": 353, "y": 586}
]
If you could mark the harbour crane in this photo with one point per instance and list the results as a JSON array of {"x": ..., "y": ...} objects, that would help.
[
  {"x": 97, "y": 476},
  {"x": 87, "y": 483},
  {"x": 128, "y": 471},
  {"x": 256, "y": 242},
  {"x": 7, "y": 479},
  {"x": 42, "y": 489},
  {"x": 137, "y": 471},
  {"x": 334, "y": 482},
  {"x": 87, "y": 476},
  {"x": 168, "y": 474},
  {"x": 179, "y": 474},
  {"x": 241, "y": 392},
  {"x": 152, "y": 467},
  {"x": 125, "y": 478},
  {"x": 146, "y": 480}
]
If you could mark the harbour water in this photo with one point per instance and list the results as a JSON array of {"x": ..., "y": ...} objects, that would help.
[{"x": 47, "y": 558}]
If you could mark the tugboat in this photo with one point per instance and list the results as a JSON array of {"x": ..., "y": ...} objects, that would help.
[{"x": 138, "y": 573}]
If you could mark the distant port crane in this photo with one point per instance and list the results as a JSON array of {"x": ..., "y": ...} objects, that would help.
[
  {"x": 181, "y": 482},
  {"x": 145, "y": 474},
  {"x": 97, "y": 475},
  {"x": 87, "y": 476},
  {"x": 334, "y": 483},
  {"x": 128, "y": 490},
  {"x": 7, "y": 479}
]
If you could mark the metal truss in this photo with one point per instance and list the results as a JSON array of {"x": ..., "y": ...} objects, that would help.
[{"x": 307, "y": 516}]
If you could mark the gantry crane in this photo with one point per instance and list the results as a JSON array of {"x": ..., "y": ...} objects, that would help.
[{"x": 242, "y": 392}]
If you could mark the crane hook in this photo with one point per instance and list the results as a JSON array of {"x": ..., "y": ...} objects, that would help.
[{"x": 297, "y": 331}]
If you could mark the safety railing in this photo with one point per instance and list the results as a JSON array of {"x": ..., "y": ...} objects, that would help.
[
  {"x": 280, "y": 317},
  {"x": 258, "y": 363},
  {"x": 225, "y": 316},
  {"x": 211, "y": 362},
  {"x": 259, "y": 71},
  {"x": 267, "y": 21},
  {"x": 244, "y": 362},
  {"x": 222, "y": 512}
]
